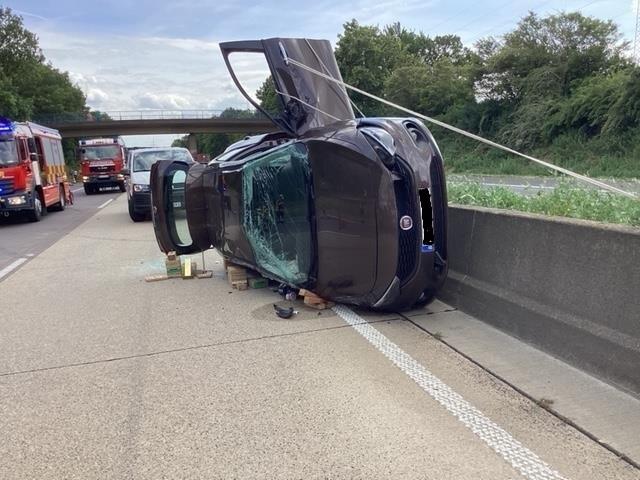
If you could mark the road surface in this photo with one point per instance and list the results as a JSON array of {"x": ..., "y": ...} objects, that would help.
[
  {"x": 22, "y": 240},
  {"x": 103, "y": 375}
]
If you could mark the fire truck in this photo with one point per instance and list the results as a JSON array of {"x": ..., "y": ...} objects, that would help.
[
  {"x": 33, "y": 178},
  {"x": 101, "y": 162}
]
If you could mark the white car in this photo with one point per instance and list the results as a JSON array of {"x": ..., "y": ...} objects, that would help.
[{"x": 139, "y": 165}]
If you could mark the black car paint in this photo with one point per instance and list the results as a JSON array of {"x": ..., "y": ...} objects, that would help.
[{"x": 362, "y": 256}]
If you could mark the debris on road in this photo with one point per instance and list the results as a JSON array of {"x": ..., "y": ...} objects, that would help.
[
  {"x": 258, "y": 282},
  {"x": 155, "y": 278},
  {"x": 178, "y": 269},
  {"x": 284, "y": 312}
]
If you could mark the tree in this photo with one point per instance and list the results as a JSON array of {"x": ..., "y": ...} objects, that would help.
[{"x": 28, "y": 85}]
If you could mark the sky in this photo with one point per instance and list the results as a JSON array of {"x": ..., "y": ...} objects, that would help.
[{"x": 131, "y": 55}]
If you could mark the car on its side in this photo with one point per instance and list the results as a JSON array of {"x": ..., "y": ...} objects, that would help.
[
  {"x": 354, "y": 210},
  {"x": 137, "y": 172}
]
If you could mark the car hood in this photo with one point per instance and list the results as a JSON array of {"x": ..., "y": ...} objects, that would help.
[
  {"x": 308, "y": 100},
  {"x": 140, "y": 178}
]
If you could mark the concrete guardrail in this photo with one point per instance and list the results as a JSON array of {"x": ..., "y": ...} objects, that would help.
[{"x": 569, "y": 287}]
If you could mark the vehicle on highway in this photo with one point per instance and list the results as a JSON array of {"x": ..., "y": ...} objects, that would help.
[
  {"x": 101, "y": 163},
  {"x": 139, "y": 166},
  {"x": 354, "y": 210},
  {"x": 33, "y": 178}
]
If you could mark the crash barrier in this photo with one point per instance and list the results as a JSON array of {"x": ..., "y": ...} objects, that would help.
[{"x": 569, "y": 287}]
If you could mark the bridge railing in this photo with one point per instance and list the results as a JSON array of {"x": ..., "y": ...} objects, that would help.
[{"x": 120, "y": 115}]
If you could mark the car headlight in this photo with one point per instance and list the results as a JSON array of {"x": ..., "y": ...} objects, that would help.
[
  {"x": 137, "y": 187},
  {"x": 19, "y": 200}
]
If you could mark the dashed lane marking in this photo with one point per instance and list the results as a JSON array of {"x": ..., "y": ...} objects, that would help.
[
  {"x": 10, "y": 268},
  {"x": 105, "y": 203},
  {"x": 517, "y": 455}
]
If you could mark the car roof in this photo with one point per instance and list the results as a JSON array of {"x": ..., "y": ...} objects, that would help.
[{"x": 158, "y": 149}]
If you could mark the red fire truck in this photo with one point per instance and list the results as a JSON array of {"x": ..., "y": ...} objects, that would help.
[
  {"x": 33, "y": 176},
  {"x": 101, "y": 162}
]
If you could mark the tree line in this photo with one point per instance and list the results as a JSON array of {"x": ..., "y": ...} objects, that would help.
[{"x": 559, "y": 86}]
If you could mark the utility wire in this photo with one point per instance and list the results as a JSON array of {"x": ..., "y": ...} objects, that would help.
[{"x": 563, "y": 170}]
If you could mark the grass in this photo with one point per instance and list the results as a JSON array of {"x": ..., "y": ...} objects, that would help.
[
  {"x": 601, "y": 156},
  {"x": 567, "y": 200}
]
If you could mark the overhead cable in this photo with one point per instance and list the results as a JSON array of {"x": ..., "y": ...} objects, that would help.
[{"x": 473, "y": 136}]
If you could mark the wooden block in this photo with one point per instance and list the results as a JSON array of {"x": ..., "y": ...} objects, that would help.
[
  {"x": 319, "y": 306},
  {"x": 186, "y": 269},
  {"x": 242, "y": 285},
  {"x": 155, "y": 278}
]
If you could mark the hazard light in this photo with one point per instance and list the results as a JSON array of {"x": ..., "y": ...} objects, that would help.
[{"x": 6, "y": 126}]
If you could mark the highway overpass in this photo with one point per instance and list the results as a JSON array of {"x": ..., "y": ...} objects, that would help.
[{"x": 154, "y": 122}]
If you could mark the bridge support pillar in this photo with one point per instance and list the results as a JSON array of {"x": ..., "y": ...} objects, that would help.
[{"x": 192, "y": 144}]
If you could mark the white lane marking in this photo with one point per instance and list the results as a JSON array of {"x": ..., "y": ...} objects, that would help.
[
  {"x": 30, "y": 255},
  {"x": 77, "y": 190},
  {"x": 520, "y": 457},
  {"x": 517, "y": 185},
  {"x": 105, "y": 203},
  {"x": 10, "y": 268}
]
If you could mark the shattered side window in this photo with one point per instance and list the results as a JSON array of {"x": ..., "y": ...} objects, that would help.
[{"x": 276, "y": 194}]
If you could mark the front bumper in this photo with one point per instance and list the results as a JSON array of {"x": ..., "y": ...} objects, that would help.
[
  {"x": 6, "y": 207},
  {"x": 103, "y": 179},
  {"x": 141, "y": 202}
]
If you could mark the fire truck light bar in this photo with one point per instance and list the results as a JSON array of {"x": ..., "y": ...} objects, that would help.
[
  {"x": 6, "y": 125},
  {"x": 98, "y": 141}
]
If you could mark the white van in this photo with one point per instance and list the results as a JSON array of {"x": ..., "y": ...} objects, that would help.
[{"x": 138, "y": 170}]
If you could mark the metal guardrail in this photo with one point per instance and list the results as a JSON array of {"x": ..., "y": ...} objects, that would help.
[{"x": 120, "y": 115}]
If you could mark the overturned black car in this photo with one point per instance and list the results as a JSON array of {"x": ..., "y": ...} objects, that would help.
[{"x": 354, "y": 210}]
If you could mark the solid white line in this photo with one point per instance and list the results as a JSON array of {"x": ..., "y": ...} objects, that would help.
[
  {"x": 520, "y": 457},
  {"x": 517, "y": 185},
  {"x": 77, "y": 190},
  {"x": 10, "y": 268},
  {"x": 105, "y": 203}
]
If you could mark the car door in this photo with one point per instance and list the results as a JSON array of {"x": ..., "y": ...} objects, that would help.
[
  {"x": 307, "y": 100},
  {"x": 176, "y": 185}
]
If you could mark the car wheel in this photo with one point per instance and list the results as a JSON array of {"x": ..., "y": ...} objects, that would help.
[
  {"x": 35, "y": 214},
  {"x": 88, "y": 189},
  {"x": 62, "y": 204},
  {"x": 135, "y": 216},
  {"x": 122, "y": 187}
]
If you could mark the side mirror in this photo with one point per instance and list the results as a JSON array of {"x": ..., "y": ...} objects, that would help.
[{"x": 126, "y": 172}]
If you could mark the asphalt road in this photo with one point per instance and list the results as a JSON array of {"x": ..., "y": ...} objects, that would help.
[
  {"x": 22, "y": 240},
  {"x": 103, "y": 375}
]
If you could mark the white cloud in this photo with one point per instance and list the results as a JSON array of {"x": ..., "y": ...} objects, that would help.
[
  {"x": 97, "y": 97},
  {"x": 190, "y": 44},
  {"x": 120, "y": 73},
  {"x": 165, "y": 101}
]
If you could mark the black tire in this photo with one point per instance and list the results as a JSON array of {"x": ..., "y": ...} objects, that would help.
[
  {"x": 122, "y": 187},
  {"x": 35, "y": 214},
  {"x": 135, "y": 216},
  {"x": 88, "y": 189},
  {"x": 62, "y": 204}
]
